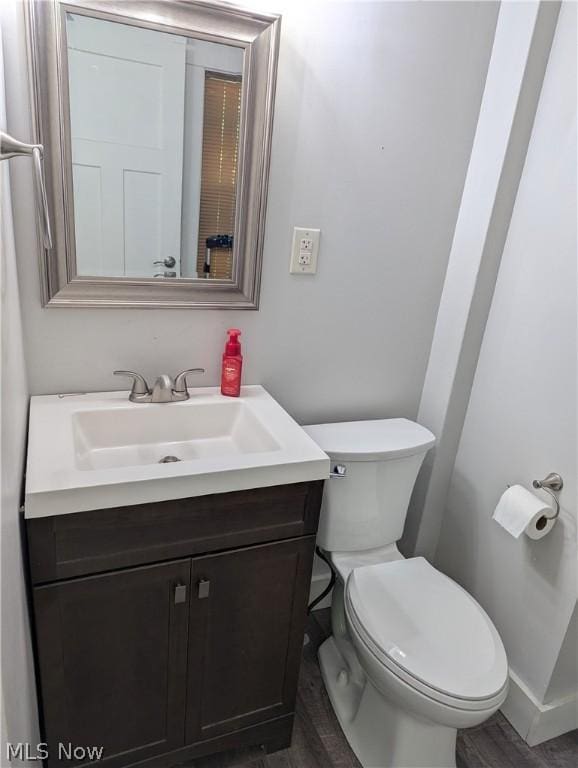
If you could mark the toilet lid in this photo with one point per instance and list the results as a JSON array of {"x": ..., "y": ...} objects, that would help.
[
  {"x": 430, "y": 627},
  {"x": 373, "y": 440}
]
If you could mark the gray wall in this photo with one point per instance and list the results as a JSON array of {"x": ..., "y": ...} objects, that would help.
[{"x": 371, "y": 144}]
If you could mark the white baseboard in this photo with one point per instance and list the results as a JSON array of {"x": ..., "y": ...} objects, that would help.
[{"x": 534, "y": 721}]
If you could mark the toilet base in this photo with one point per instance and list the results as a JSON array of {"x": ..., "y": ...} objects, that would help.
[{"x": 382, "y": 735}]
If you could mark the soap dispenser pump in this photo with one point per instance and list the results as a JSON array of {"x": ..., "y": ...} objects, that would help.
[{"x": 232, "y": 365}]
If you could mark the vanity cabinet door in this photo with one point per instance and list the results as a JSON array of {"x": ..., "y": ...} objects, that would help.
[
  {"x": 112, "y": 662},
  {"x": 247, "y": 617}
]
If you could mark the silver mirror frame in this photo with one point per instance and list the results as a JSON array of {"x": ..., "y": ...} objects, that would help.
[{"x": 256, "y": 32}]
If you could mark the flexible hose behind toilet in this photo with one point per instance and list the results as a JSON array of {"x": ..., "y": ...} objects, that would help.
[{"x": 329, "y": 587}]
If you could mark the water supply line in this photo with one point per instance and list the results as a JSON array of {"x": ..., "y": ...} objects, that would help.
[{"x": 331, "y": 584}]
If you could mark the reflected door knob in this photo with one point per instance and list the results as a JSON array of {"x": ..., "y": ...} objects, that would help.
[{"x": 169, "y": 262}]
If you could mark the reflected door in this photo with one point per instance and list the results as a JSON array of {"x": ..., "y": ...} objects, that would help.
[{"x": 127, "y": 88}]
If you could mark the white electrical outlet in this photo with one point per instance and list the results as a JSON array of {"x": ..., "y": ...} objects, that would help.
[{"x": 304, "y": 251}]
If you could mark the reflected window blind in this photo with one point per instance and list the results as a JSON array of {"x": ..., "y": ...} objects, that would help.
[{"x": 221, "y": 117}]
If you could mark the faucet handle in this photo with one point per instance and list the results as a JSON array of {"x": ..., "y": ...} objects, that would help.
[
  {"x": 181, "y": 379},
  {"x": 139, "y": 385}
]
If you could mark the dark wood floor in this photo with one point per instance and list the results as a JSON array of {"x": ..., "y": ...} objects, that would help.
[{"x": 319, "y": 743}]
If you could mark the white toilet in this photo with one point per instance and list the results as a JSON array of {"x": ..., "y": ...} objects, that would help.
[{"x": 413, "y": 657}]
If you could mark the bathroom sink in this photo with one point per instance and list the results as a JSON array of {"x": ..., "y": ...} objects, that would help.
[
  {"x": 99, "y": 450},
  {"x": 153, "y": 434}
]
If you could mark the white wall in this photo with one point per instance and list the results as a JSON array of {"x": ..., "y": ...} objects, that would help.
[
  {"x": 17, "y": 691},
  {"x": 375, "y": 114},
  {"x": 521, "y": 419},
  {"x": 522, "y": 44},
  {"x": 564, "y": 680}
]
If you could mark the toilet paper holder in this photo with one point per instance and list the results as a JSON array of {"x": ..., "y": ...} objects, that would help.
[{"x": 552, "y": 484}]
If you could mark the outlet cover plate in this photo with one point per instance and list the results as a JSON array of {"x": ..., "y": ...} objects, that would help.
[{"x": 304, "y": 251}]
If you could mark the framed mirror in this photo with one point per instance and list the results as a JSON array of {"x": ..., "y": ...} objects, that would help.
[{"x": 156, "y": 121}]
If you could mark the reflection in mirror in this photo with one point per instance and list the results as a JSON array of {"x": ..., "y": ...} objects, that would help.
[{"x": 155, "y": 121}]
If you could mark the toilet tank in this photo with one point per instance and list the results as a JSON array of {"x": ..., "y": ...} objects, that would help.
[{"x": 366, "y": 506}]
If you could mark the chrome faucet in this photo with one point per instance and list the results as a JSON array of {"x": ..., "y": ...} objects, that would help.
[{"x": 165, "y": 389}]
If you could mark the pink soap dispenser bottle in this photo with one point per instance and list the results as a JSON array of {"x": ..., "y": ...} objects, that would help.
[{"x": 232, "y": 365}]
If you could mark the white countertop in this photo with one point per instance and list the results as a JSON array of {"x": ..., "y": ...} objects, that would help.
[{"x": 60, "y": 481}]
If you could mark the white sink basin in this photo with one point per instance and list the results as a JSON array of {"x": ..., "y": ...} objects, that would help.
[
  {"x": 99, "y": 450},
  {"x": 126, "y": 437}
]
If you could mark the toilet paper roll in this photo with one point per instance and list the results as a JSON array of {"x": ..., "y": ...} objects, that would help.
[
  {"x": 540, "y": 527},
  {"x": 520, "y": 511}
]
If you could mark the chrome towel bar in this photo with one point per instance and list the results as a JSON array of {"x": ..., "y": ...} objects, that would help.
[{"x": 11, "y": 147}]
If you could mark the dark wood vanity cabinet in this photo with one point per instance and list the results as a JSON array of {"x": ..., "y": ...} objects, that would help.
[
  {"x": 164, "y": 658},
  {"x": 246, "y": 636},
  {"x": 112, "y": 658}
]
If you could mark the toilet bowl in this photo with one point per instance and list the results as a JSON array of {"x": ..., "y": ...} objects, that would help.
[{"x": 412, "y": 656}]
